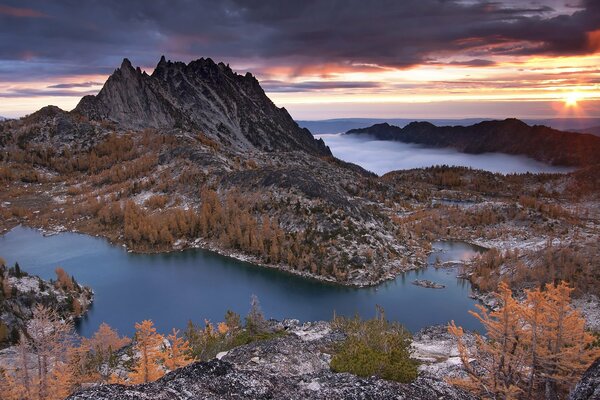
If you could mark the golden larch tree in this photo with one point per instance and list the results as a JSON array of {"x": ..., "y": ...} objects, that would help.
[
  {"x": 148, "y": 345},
  {"x": 534, "y": 349},
  {"x": 177, "y": 354},
  {"x": 101, "y": 349}
]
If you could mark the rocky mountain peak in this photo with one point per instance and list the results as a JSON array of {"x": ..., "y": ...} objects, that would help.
[
  {"x": 126, "y": 64},
  {"x": 201, "y": 96}
]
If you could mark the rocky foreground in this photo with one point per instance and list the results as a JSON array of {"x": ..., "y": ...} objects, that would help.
[
  {"x": 589, "y": 386},
  {"x": 294, "y": 366}
]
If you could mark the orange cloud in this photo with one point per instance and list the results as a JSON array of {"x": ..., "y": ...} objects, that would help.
[
  {"x": 594, "y": 40},
  {"x": 322, "y": 70},
  {"x": 21, "y": 12}
]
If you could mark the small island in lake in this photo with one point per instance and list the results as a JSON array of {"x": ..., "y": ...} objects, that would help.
[{"x": 428, "y": 284}]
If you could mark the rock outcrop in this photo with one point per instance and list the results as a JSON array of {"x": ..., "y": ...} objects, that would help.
[
  {"x": 21, "y": 292},
  {"x": 510, "y": 136},
  {"x": 588, "y": 387},
  {"x": 294, "y": 366},
  {"x": 52, "y": 126},
  {"x": 202, "y": 95},
  {"x": 428, "y": 284}
]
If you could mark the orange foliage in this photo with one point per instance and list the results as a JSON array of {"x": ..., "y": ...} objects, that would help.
[
  {"x": 177, "y": 354},
  {"x": 533, "y": 349},
  {"x": 63, "y": 279},
  {"x": 148, "y": 344}
]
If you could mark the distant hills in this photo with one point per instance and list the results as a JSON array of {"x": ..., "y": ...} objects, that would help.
[
  {"x": 340, "y": 125},
  {"x": 593, "y": 130},
  {"x": 510, "y": 136}
]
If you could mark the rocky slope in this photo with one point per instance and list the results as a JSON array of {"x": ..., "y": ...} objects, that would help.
[
  {"x": 588, "y": 387},
  {"x": 202, "y": 95},
  {"x": 294, "y": 366},
  {"x": 140, "y": 162},
  {"x": 21, "y": 292},
  {"x": 184, "y": 130},
  {"x": 510, "y": 136}
]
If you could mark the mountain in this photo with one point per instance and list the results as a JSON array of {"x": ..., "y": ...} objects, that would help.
[
  {"x": 510, "y": 136},
  {"x": 592, "y": 130},
  {"x": 203, "y": 96},
  {"x": 196, "y": 155},
  {"x": 339, "y": 125}
]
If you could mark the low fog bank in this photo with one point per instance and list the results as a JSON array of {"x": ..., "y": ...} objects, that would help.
[{"x": 382, "y": 156}]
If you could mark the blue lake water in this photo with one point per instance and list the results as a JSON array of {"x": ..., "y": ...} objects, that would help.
[{"x": 171, "y": 288}]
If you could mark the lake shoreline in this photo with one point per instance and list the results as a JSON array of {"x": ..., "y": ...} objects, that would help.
[
  {"x": 202, "y": 284},
  {"x": 202, "y": 244}
]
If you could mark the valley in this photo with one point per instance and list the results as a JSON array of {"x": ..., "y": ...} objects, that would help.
[
  {"x": 189, "y": 191},
  {"x": 285, "y": 202}
]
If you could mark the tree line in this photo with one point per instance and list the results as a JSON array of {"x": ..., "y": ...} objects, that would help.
[
  {"x": 53, "y": 361},
  {"x": 534, "y": 349}
]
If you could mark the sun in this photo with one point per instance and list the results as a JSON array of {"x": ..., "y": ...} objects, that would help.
[{"x": 572, "y": 98}]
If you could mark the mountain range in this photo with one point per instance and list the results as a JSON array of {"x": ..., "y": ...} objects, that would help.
[
  {"x": 510, "y": 136},
  {"x": 340, "y": 125}
]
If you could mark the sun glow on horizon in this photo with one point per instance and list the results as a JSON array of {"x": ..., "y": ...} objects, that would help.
[
  {"x": 564, "y": 84},
  {"x": 572, "y": 98}
]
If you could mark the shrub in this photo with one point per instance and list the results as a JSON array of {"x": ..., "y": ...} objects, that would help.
[{"x": 374, "y": 347}]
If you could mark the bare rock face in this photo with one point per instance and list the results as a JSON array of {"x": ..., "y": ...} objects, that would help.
[
  {"x": 588, "y": 387},
  {"x": 294, "y": 366},
  {"x": 204, "y": 96},
  {"x": 51, "y": 126}
]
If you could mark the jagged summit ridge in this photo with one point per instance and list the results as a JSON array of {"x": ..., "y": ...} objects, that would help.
[{"x": 201, "y": 95}]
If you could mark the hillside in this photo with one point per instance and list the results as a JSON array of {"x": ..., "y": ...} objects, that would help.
[
  {"x": 196, "y": 155},
  {"x": 21, "y": 292},
  {"x": 510, "y": 136}
]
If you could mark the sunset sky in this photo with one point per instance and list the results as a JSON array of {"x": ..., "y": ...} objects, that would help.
[{"x": 321, "y": 59}]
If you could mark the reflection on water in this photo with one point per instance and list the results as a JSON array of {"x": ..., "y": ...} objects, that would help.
[
  {"x": 174, "y": 287},
  {"x": 382, "y": 156}
]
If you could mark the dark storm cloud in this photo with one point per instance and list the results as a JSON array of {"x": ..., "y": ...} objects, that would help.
[{"x": 69, "y": 36}]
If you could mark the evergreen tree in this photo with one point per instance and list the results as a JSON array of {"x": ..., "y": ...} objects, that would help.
[
  {"x": 374, "y": 347},
  {"x": 255, "y": 320}
]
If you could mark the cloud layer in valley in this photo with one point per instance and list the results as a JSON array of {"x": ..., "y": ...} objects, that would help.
[{"x": 382, "y": 156}]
